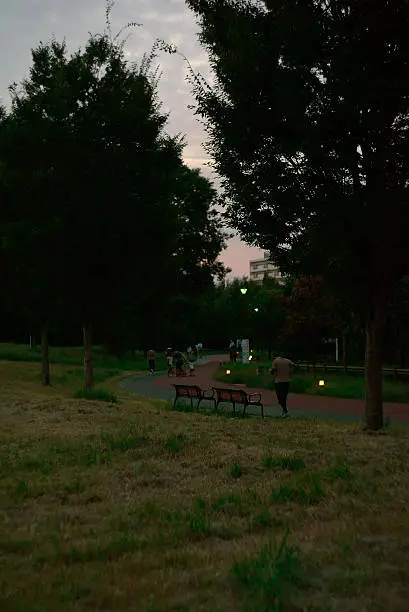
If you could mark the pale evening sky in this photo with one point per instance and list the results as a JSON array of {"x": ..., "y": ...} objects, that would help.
[{"x": 24, "y": 23}]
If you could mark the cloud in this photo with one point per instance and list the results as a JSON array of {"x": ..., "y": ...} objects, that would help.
[{"x": 24, "y": 23}]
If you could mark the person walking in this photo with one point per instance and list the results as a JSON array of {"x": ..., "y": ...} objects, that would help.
[
  {"x": 232, "y": 350},
  {"x": 151, "y": 357},
  {"x": 282, "y": 369}
]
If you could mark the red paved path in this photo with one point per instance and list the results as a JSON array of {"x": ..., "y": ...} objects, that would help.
[{"x": 310, "y": 403}]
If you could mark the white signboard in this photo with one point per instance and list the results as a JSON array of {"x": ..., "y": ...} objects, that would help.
[{"x": 245, "y": 350}]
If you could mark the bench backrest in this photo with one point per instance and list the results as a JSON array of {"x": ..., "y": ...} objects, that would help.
[
  {"x": 188, "y": 391},
  {"x": 238, "y": 396}
]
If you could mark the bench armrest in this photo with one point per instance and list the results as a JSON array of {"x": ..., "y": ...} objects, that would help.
[
  {"x": 208, "y": 393},
  {"x": 254, "y": 397}
]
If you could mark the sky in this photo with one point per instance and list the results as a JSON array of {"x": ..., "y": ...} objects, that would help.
[{"x": 24, "y": 23}]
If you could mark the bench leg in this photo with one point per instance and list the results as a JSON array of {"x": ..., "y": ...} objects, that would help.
[
  {"x": 234, "y": 409},
  {"x": 262, "y": 411},
  {"x": 174, "y": 403},
  {"x": 244, "y": 409},
  {"x": 191, "y": 403},
  {"x": 198, "y": 403}
]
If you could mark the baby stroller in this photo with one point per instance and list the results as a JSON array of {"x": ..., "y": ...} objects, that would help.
[{"x": 180, "y": 364}]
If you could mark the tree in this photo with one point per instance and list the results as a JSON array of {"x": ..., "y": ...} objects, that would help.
[
  {"x": 312, "y": 316},
  {"x": 107, "y": 182},
  {"x": 308, "y": 128}
]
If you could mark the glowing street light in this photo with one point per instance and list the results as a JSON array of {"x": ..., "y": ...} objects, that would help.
[
  {"x": 243, "y": 290},
  {"x": 256, "y": 309}
]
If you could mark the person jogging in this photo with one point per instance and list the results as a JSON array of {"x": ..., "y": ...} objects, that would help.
[{"x": 282, "y": 369}]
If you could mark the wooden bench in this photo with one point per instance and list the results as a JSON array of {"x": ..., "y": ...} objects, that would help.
[
  {"x": 193, "y": 392},
  {"x": 238, "y": 396}
]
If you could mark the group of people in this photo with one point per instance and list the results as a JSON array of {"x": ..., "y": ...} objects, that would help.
[{"x": 180, "y": 364}]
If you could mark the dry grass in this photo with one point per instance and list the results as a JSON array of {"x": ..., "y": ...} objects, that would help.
[{"x": 130, "y": 506}]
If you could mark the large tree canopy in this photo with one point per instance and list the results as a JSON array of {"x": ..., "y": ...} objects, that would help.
[
  {"x": 101, "y": 212},
  {"x": 308, "y": 128}
]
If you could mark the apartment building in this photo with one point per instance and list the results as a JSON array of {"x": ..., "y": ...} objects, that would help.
[{"x": 259, "y": 268}]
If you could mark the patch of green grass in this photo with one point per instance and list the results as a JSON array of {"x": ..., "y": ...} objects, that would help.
[
  {"x": 227, "y": 500},
  {"x": 271, "y": 577},
  {"x": 99, "y": 395},
  {"x": 286, "y": 463},
  {"x": 236, "y": 471},
  {"x": 89, "y": 502},
  {"x": 308, "y": 495},
  {"x": 350, "y": 386},
  {"x": 75, "y": 355},
  {"x": 175, "y": 444}
]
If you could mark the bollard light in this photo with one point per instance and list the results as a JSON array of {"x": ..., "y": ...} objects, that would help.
[
  {"x": 228, "y": 372},
  {"x": 250, "y": 357},
  {"x": 321, "y": 383},
  {"x": 243, "y": 290}
]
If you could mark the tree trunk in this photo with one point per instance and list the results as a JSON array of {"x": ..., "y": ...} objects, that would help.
[
  {"x": 373, "y": 366},
  {"x": 402, "y": 359},
  {"x": 345, "y": 350},
  {"x": 45, "y": 357},
  {"x": 88, "y": 367}
]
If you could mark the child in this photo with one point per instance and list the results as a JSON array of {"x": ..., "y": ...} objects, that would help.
[
  {"x": 169, "y": 359},
  {"x": 191, "y": 369}
]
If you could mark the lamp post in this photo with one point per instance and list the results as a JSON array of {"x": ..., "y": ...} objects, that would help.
[{"x": 245, "y": 348}]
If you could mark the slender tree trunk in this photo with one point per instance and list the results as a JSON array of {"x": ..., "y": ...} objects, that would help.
[
  {"x": 345, "y": 350},
  {"x": 45, "y": 356},
  {"x": 402, "y": 359},
  {"x": 88, "y": 367},
  {"x": 373, "y": 366}
]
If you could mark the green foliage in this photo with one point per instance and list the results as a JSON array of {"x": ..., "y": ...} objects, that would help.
[
  {"x": 100, "y": 395},
  {"x": 96, "y": 195},
  {"x": 236, "y": 471},
  {"x": 312, "y": 154},
  {"x": 271, "y": 577},
  {"x": 351, "y": 386},
  {"x": 175, "y": 444},
  {"x": 311, "y": 494},
  {"x": 286, "y": 463}
]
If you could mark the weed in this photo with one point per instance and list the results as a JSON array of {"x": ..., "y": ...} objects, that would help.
[
  {"x": 286, "y": 463},
  {"x": 341, "y": 471},
  {"x": 123, "y": 441},
  {"x": 199, "y": 523},
  {"x": 226, "y": 500},
  {"x": 310, "y": 495},
  {"x": 271, "y": 577},
  {"x": 175, "y": 444},
  {"x": 264, "y": 518},
  {"x": 99, "y": 395},
  {"x": 21, "y": 489},
  {"x": 236, "y": 471}
]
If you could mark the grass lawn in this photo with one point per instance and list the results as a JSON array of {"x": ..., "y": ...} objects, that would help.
[
  {"x": 130, "y": 506},
  {"x": 75, "y": 356},
  {"x": 336, "y": 385}
]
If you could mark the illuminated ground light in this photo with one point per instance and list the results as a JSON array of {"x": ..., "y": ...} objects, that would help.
[
  {"x": 228, "y": 371},
  {"x": 321, "y": 383}
]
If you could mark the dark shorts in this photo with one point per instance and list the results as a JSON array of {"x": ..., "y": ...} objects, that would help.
[{"x": 151, "y": 364}]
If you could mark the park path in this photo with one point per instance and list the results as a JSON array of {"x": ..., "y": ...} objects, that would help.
[{"x": 301, "y": 405}]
